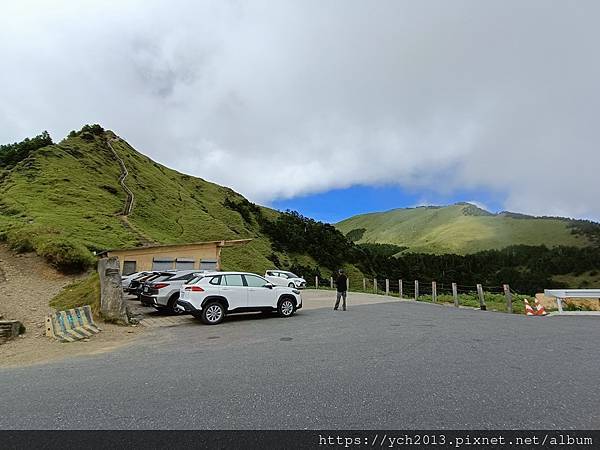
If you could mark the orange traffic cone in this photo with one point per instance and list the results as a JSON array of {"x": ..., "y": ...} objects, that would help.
[
  {"x": 528, "y": 309},
  {"x": 540, "y": 311}
]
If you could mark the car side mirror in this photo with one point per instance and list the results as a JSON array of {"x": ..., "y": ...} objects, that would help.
[{"x": 269, "y": 285}]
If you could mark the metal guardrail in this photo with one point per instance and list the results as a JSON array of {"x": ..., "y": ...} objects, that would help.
[{"x": 562, "y": 294}]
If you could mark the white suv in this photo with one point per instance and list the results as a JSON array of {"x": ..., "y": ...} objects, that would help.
[
  {"x": 212, "y": 296},
  {"x": 284, "y": 278}
]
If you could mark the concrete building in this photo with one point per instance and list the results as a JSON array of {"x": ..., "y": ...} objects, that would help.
[{"x": 196, "y": 255}]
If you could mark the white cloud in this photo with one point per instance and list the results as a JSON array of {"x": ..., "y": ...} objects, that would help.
[{"x": 277, "y": 99}]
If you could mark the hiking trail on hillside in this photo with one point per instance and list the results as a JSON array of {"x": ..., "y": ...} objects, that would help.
[{"x": 130, "y": 201}]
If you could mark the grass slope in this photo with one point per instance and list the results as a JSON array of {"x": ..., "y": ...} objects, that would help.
[
  {"x": 65, "y": 199},
  {"x": 461, "y": 228}
]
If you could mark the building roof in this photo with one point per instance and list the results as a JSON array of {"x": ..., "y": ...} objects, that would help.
[{"x": 221, "y": 243}]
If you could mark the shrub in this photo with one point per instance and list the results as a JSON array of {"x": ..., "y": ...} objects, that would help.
[
  {"x": 20, "y": 240},
  {"x": 356, "y": 234},
  {"x": 66, "y": 256}
]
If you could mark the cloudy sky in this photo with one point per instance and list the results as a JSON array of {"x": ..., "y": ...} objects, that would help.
[{"x": 330, "y": 107}]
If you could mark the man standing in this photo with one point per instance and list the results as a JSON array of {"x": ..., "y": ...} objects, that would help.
[{"x": 342, "y": 289}]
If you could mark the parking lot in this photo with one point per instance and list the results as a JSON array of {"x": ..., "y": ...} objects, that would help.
[
  {"x": 378, "y": 365},
  {"x": 313, "y": 299}
]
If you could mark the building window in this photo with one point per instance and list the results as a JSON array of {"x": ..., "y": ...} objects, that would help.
[
  {"x": 162, "y": 263},
  {"x": 184, "y": 264},
  {"x": 129, "y": 267},
  {"x": 208, "y": 264}
]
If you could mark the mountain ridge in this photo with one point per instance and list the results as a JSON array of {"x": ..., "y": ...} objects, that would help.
[
  {"x": 65, "y": 201},
  {"x": 464, "y": 228}
]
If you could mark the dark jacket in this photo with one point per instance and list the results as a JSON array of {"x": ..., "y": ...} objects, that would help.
[{"x": 342, "y": 283}]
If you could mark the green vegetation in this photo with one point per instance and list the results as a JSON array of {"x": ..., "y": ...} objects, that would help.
[
  {"x": 579, "y": 280},
  {"x": 493, "y": 302},
  {"x": 11, "y": 154},
  {"x": 464, "y": 228},
  {"x": 64, "y": 202},
  {"x": 527, "y": 269},
  {"x": 80, "y": 293}
]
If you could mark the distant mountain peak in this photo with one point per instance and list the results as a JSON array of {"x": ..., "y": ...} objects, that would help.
[{"x": 470, "y": 209}]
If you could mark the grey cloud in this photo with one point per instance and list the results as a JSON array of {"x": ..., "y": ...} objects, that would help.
[{"x": 277, "y": 99}]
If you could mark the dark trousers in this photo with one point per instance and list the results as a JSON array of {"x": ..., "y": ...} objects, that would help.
[{"x": 337, "y": 301}]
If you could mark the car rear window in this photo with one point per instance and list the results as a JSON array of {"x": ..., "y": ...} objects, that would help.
[
  {"x": 162, "y": 277},
  {"x": 195, "y": 279},
  {"x": 185, "y": 277}
]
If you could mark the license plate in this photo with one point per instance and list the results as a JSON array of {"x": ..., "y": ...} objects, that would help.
[{"x": 146, "y": 289}]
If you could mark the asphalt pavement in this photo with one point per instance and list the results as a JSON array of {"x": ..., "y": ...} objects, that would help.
[{"x": 392, "y": 365}]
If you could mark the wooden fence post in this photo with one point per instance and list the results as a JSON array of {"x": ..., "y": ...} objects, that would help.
[
  {"x": 482, "y": 305},
  {"x": 508, "y": 295},
  {"x": 316, "y": 282},
  {"x": 387, "y": 287},
  {"x": 416, "y": 290},
  {"x": 434, "y": 291},
  {"x": 455, "y": 294},
  {"x": 331, "y": 282},
  {"x": 347, "y": 283},
  {"x": 364, "y": 284},
  {"x": 375, "y": 285},
  {"x": 400, "y": 288}
]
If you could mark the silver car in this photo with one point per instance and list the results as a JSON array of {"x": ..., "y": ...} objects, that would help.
[{"x": 163, "y": 292}]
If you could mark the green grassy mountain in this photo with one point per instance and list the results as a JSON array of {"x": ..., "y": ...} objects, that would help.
[
  {"x": 462, "y": 228},
  {"x": 65, "y": 201}
]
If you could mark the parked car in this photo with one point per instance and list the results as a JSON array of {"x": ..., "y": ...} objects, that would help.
[
  {"x": 216, "y": 294},
  {"x": 284, "y": 278},
  {"x": 127, "y": 279},
  {"x": 135, "y": 285},
  {"x": 162, "y": 292}
]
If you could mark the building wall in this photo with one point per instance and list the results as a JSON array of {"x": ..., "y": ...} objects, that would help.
[{"x": 144, "y": 257}]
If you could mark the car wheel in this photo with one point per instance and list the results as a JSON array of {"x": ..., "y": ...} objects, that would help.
[
  {"x": 285, "y": 307},
  {"x": 291, "y": 285},
  {"x": 213, "y": 313},
  {"x": 172, "y": 305}
]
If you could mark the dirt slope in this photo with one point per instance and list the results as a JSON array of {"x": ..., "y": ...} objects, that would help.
[{"x": 27, "y": 283}]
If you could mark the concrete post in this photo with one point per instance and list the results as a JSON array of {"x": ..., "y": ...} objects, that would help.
[
  {"x": 375, "y": 285},
  {"x": 455, "y": 294},
  {"x": 400, "y": 288},
  {"x": 364, "y": 284},
  {"x": 112, "y": 302},
  {"x": 434, "y": 292},
  {"x": 508, "y": 295},
  {"x": 331, "y": 282},
  {"x": 387, "y": 287},
  {"x": 416, "y": 290},
  {"x": 316, "y": 282},
  {"x": 482, "y": 305}
]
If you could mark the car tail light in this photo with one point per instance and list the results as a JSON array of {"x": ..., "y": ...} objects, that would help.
[
  {"x": 160, "y": 285},
  {"x": 194, "y": 289}
]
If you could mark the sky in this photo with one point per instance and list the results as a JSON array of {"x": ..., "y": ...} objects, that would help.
[{"x": 327, "y": 107}]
